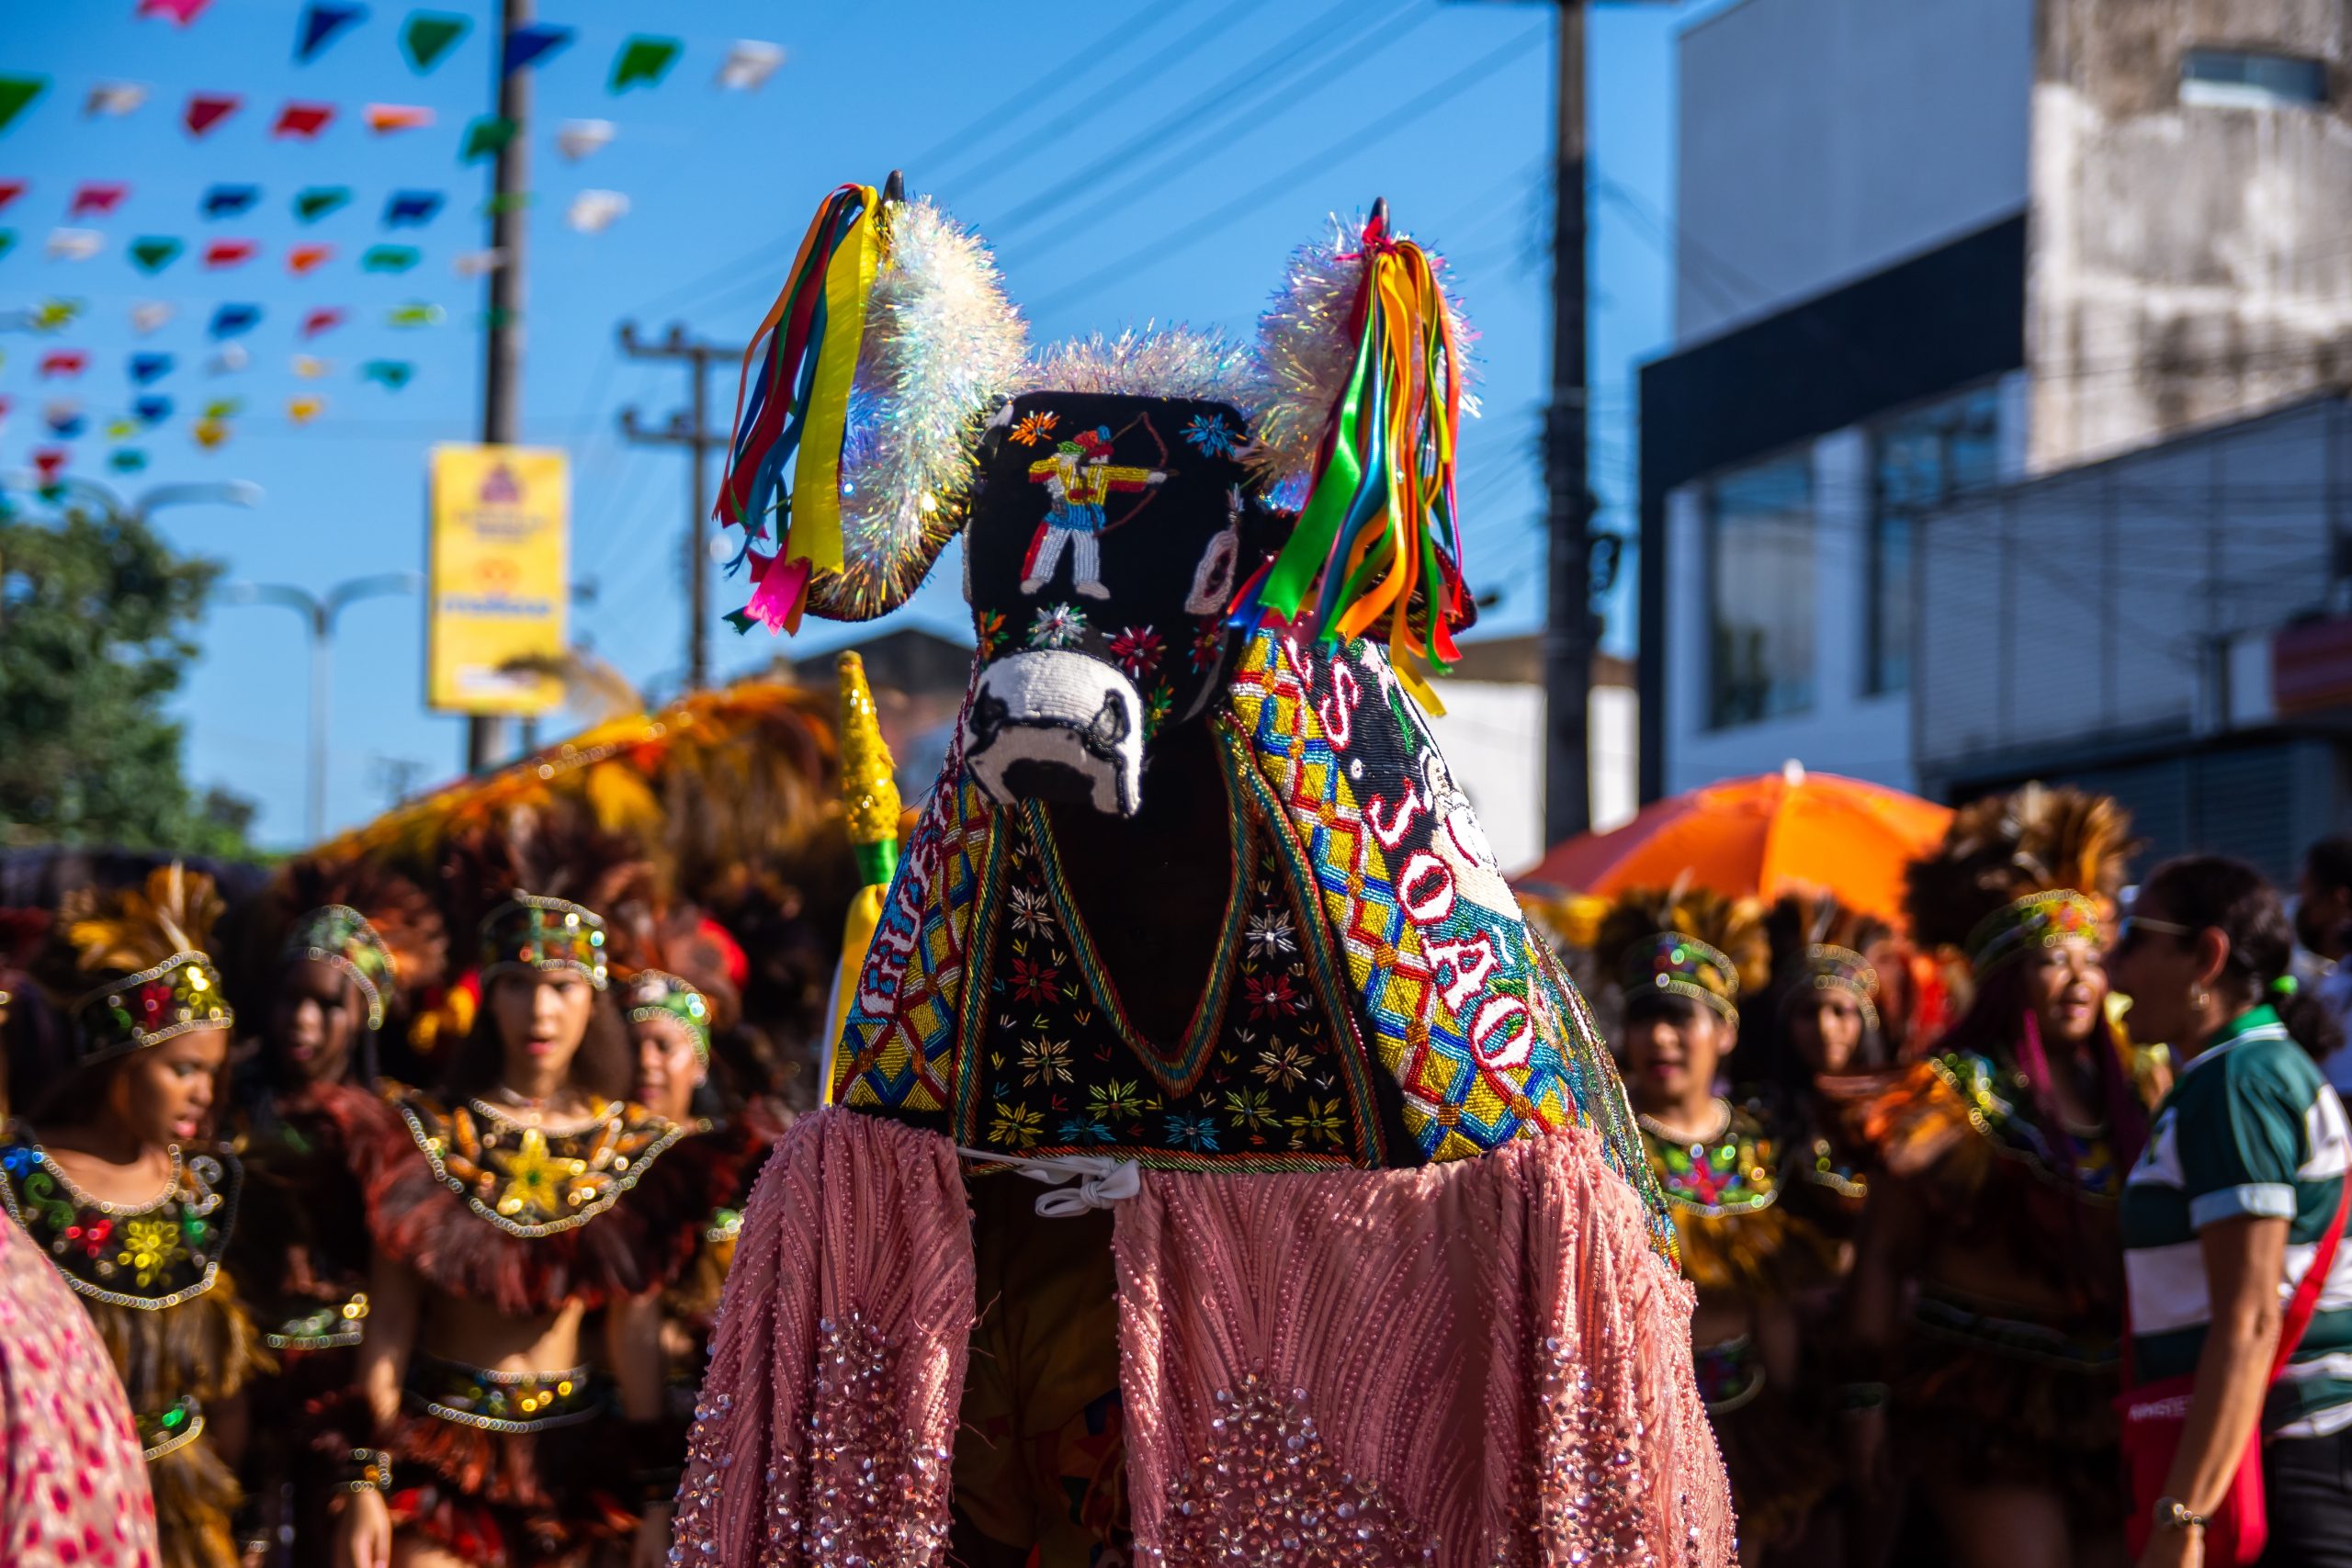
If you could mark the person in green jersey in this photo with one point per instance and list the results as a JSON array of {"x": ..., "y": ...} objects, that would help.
[{"x": 2225, "y": 1209}]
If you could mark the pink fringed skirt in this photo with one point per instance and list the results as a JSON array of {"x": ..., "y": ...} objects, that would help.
[{"x": 1470, "y": 1364}]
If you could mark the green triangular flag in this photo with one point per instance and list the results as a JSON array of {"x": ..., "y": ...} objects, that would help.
[
  {"x": 319, "y": 200},
  {"x": 7, "y": 241},
  {"x": 429, "y": 35},
  {"x": 155, "y": 252},
  {"x": 127, "y": 461},
  {"x": 644, "y": 59},
  {"x": 390, "y": 258},
  {"x": 486, "y": 138},
  {"x": 15, "y": 92}
]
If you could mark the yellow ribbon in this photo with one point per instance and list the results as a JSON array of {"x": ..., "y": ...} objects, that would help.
[{"x": 816, "y": 532}]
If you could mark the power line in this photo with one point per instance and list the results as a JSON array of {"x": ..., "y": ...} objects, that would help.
[{"x": 977, "y": 130}]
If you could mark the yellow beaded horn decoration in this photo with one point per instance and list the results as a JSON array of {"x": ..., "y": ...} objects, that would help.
[{"x": 870, "y": 802}]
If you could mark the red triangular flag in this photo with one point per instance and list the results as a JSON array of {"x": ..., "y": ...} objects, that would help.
[
  {"x": 206, "y": 111},
  {"x": 320, "y": 320},
  {"x": 96, "y": 195},
  {"x": 62, "y": 362},
  {"x": 48, "y": 462},
  {"x": 228, "y": 253},
  {"x": 181, "y": 11},
  {"x": 304, "y": 121},
  {"x": 10, "y": 190},
  {"x": 302, "y": 258}
]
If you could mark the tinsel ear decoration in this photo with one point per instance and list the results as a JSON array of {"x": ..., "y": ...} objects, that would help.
[
  {"x": 141, "y": 927},
  {"x": 872, "y": 373},
  {"x": 1147, "y": 362},
  {"x": 1363, "y": 360}
]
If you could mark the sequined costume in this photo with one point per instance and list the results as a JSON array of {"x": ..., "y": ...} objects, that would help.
[
  {"x": 503, "y": 1469},
  {"x": 151, "y": 1278},
  {"x": 1197, "y": 926}
]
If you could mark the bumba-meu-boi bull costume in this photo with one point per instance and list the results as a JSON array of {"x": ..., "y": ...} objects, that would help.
[{"x": 1363, "y": 1262}]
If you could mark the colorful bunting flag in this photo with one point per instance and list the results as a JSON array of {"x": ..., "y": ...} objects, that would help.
[
  {"x": 65, "y": 419},
  {"x": 112, "y": 100},
  {"x": 62, "y": 362},
  {"x": 646, "y": 58},
  {"x": 48, "y": 462},
  {"x": 153, "y": 252},
  {"x": 749, "y": 65},
  {"x": 181, "y": 11},
  {"x": 148, "y": 368},
  {"x": 311, "y": 368},
  {"x": 231, "y": 319},
  {"x": 385, "y": 119},
  {"x": 427, "y": 36},
  {"x": 230, "y": 201},
  {"x": 415, "y": 314},
  {"x": 389, "y": 373},
  {"x": 477, "y": 264},
  {"x": 153, "y": 410},
  {"x": 210, "y": 433},
  {"x": 206, "y": 111},
  {"x": 15, "y": 92},
  {"x": 231, "y": 359},
  {"x": 4, "y": 406},
  {"x": 316, "y": 202},
  {"x": 7, "y": 241},
  {"x": 147, "y": 315},
  {"x": 486, "y": 137},
  {"x": 74, "y": 244},
  {"x": 53, "y": 315},
  {"x": 578, "y": 138},
  {"x": 302, "y": 120},
  {"x": 99, "y": 196},
  {"x": 327, "y": 318},
  {"x": 532, "y": 43},
  {"x": 10, "y": 190},
  {"x": 414, "y": 208},
  {"x": 320, "y": 24},
  {"x": 304, "y": 258},
  {"x": 224, "y": 407},
  {"x": 121, "y": 429},
  {"x": 390, "y": 258},
  {"x": 127, "y": 461},
  {"x": 593, "y": 211},
  {"x": 228, "y": 253},
  {"x": 302, "y": 410}
]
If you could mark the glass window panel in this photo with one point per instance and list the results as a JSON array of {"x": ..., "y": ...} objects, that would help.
[
  {"x": 1759, "y": 589},
  {"x": 2234, "y": 78},
  {"x": 1922, "y": 460}
]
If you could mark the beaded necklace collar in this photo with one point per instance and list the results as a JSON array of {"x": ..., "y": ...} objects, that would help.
[{"x": 146, "y": 1255}]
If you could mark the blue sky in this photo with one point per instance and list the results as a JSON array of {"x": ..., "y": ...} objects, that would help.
[{"x": 720, "y": 186}]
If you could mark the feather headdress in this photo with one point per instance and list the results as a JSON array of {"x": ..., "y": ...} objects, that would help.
[
  {"x": 399, "y": 919},
  {"x": 2007, "y": 848},
  {"x": 1722, "y": 950},
  {"x": 139, "y": 928}
]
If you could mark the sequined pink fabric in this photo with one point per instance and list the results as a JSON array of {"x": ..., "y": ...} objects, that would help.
[
  {"x": 72, "y": 1486},
  {"x": 1476, "y": 1363},
  {"x": 827, "y": 1418}
]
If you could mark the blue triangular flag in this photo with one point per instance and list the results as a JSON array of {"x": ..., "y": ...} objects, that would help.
[
  {"x": 321, "y": 23},
  {"x": 153, "y": 410},
  {"x": 146, "y": 368},
  {"x": 230, "y": 201},
  {"x": 533, "y": 42},
  {"x": 231, "y": 319},
  {"x": 411, "y": 207}
]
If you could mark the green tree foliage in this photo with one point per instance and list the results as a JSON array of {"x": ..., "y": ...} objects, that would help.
[{"x": 97, "y": 612}]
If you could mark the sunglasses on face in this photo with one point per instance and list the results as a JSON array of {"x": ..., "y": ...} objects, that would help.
[{"x": 2133, "y": 926}]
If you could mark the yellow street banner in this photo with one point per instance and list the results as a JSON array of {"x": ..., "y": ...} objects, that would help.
[{"x": 500, "y": 574}]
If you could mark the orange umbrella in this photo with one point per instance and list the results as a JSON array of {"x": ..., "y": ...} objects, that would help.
[{"x": 1777, "y": 833}]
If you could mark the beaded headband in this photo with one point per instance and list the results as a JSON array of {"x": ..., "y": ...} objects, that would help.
[
  {"x": 180, "y": 994},
  {"x": 340, "y": 936},
  {"x": 656, "y": 993},
  {"x": 1683, "y": 967},
  {"x": 2042, "y": 920},
  {"x": 535, "y": 934},
  {"x": 1834, "y": 968}
]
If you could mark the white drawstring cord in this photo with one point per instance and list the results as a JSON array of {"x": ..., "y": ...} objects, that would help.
[{"x": 1102, "y": 1181}]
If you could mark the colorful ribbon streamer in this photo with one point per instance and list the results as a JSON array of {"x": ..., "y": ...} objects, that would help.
[
  {"x": 798, "y": 407},
  {"x": 1378, "y": 527}
]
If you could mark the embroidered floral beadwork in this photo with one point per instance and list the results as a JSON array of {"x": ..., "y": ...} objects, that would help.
[
  {"x": 525, "y": 1180},
  {"x": 149, "y": 1256},
  {"x": 530, "y": 934},
  {"x": 341, "y": 936},
  {"x": 1735, "y": 1171},
  {"x": 161, "y": 1003}
]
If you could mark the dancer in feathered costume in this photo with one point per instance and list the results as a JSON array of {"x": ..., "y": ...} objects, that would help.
[
  {"x": 503, "y": 1209},
  {"x": 349, "y": 944},
  {"x": 2001, "y": 1156},
  {"x": 1364, "y": 1263},
  {"x": 1681, "y": 960},
  {"x": 107, "y": 1176}
]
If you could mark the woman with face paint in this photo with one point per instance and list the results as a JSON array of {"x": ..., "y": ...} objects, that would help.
[
  {"x": 1985, "y": 1310},
  {"x": 1680, "y": 960},
  {"x": 110, "y": 1174}
]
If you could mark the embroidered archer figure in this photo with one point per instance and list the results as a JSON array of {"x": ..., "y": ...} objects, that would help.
[{"x": 1079, "y": 478}]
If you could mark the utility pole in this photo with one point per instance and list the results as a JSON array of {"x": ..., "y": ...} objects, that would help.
[
  {"x": 1567, "y": 530},
  {"x": 688, "y": 428},
  {"x": 501, "y": 365}
]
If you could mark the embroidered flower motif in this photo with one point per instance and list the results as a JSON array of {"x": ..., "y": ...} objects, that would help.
[
  {"x": 1116, "y": 1102},
  {"x": 1033, "y": 912},
  {"x": 1017, "y": 1125},
  {"x": 1270, "y": 996},
  {"x": 992, "y": 632},
  {"x": 1210, "y": 435},
  {"x": 1283, "y": 1066},
  {"x": 154, "y": 1001},
  {"x": 531, "y": 1175},
  {"x": 1057, "y": 626},
  {"x": 1033, "y": 981},
  {"x": 1034, "y": 428},
  {"x": 1207, "y": 644},
  {"x": 1084, "y": 1130},
  {"x": 1157, "y": 707},
  {"x": 1321, "y": 1123},
  {"x": 150, "y": 1246},
  {"x": 1271, "y": 935},
  {"x": 1250, "y": 1109},
  {"x": 1192, "y": 1132},
  {"x": 1138, "y": 649},
  {"x": 1045, "y": 1062}
]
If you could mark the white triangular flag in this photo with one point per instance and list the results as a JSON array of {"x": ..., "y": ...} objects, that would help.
[
  {"x": 116, "y": 99},
  {"x": 593, "y": 211},
  {"x": 234, "y": 357},
  {"x": 74, "y": 244},
  {"x": 147, "y": 315},
  {"x": 474, "y": 264},
  {"x": 578, "y": 138},
  {"x": 749, "y": 65},
  {"x": 311, "y": 368}
]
